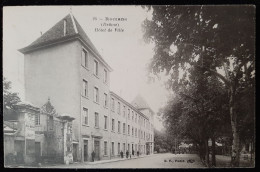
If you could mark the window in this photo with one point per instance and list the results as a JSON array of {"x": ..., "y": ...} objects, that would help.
[
  {"x": 132, "y": 131},
  {"x": 118, "y": 108},
  {"x": 50, "y": 123},
  {"x": 96, "y": 120},
  {"x": 85, "y": 116},
  {"x": 105, "y": 147},
  {"x": 96, "y": 96},
  {"x": 128, "y": 129},
  {"x": 105, "y": 124},
  {"x": 113, "y": 104},
  {"x": 124, "y": 111},
  {"x": 124, "y": 128},
  {"x": 128, "y": 113},
  {"x": 113, "y": 125},
  {"x": 135, "y": 132},
  {"x": 124, "y": 147},
  {"x": 113, "y": 150},
  {"x": 85, "y": 88},
  {"x": 95, "y": 67},
  {"x": 118, "y": 126},
  {"x": 105, "y": 76},
  {"x": 135, "y": 118},
  {"x": 105, "y": 99},
  {"x": 118, "y": 149},
  {"x": 84, "y": 58},
  {"x": 37, "y": 119},
  {"x": 132, "y": 115}
]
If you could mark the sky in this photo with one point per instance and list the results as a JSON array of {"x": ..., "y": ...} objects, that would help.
[{"x": 125, "y": 51}]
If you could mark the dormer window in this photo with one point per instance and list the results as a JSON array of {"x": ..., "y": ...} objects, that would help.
[{"x": 65, "y": 27}]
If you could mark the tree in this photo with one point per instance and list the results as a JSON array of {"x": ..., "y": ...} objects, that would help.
[
  {"x": 211, "y": 38},
  {"x": 158, "y": 140},
  {"x": 10, "y": 99},
  {"x": 197, "y": 113}
]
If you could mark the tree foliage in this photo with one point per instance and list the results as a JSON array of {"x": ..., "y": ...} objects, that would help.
[
  {"x": 219, "y": 42},
  {"x": 10, "y": 99},
  {"x": 198, "y": 111},
  {"x": 208, "y": 36},
  {"x": 160, "y": 141}
]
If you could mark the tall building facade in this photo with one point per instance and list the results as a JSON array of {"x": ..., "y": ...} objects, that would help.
[{"x": 65, "y": 66}]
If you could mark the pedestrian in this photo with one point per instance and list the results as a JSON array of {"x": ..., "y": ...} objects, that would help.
[
  {"x": 127, "y": 153},
  {"x": 93, "y": 154},
  {"x": 121, "y": 153}
]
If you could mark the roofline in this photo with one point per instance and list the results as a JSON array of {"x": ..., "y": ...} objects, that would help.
[
  {"x": 124, "y": 101},
  {"x": 99, "y": 57},
  {"x": 73, "y": 22},
  {"x": 29, "y": 49}
]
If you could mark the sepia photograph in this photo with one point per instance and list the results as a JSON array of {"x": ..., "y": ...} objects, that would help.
[{"x": 129, "y": 86}]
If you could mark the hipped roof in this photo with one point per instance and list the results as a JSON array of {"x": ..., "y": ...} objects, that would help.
[{"x": 56, "y": 35}]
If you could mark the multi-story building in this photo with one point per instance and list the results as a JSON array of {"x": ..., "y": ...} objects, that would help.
[{"x": 65, "y": 66}]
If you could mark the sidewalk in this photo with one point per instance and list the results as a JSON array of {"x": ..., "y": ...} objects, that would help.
[
  {"x": 73, "y": 165},
  {"x": 114, "y": 160}
]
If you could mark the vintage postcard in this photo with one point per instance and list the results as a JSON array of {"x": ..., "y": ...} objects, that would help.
[{"x": 129, "y": 86}]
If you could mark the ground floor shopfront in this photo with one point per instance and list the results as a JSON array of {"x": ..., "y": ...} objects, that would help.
[{"x": 95, "y": 148}]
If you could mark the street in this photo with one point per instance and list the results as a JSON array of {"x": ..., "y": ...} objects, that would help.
[{"x": 166, "y": 160}]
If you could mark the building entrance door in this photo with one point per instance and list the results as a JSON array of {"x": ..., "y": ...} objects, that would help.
[
  {"x": 19, "y": 149},
  {"x": 132, "y": 149},
  {"x": 96, "y": 149},
  {"x": 85, "y": 150},
  {"x": 147, "y": 149},
  {"x": 37, "y": 151},
  {"x": 75, "y": 154}
]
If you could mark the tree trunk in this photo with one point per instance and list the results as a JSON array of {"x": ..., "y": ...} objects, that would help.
[
  {"x": 202, "y": 152},
  {"x": 206, "y": 153},
  {"x": 235, "y": 153},
  {"x": 213, "y": 155}
]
